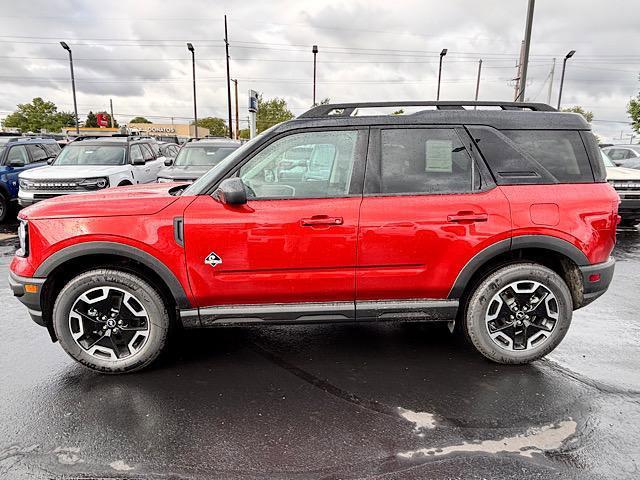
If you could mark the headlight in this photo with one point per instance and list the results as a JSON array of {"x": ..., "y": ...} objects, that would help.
[
  {"x": 23, "y": 237},
  {"x": 26, "y": 184},
  {"x": 94, "y": 183},
  {"x": 164, "y": 180}
]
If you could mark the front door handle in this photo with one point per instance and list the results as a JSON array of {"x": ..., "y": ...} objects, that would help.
[
  {"x": 467, "y": 217},
  {"x": 321, "y": 220}
]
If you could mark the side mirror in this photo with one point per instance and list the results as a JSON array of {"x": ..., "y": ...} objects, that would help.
[
  {"x": 138, "y": 161},
  {"x": 231, "y": 192},
  {"x": 50, "y": 160},
  {"x": 168, "y": 162},
  {"x": 15, "y": 162}
]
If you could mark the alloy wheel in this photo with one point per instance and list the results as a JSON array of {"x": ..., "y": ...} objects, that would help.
[
  {"x": 109, "y": 323},
  {"x": 522, "y": 315}
]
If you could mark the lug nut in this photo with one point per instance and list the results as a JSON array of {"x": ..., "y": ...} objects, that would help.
[
  {"x": 116, "y": 330},
  {"x": 119, "y": 322}
]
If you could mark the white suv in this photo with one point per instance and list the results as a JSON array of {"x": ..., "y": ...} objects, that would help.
[{"x": 89, "y": 164}]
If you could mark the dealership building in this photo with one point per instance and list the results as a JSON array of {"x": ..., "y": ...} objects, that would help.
[{"x": 180, "y": 130}]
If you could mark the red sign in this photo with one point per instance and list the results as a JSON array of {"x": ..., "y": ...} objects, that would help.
[{"x": 103, "y": 119}]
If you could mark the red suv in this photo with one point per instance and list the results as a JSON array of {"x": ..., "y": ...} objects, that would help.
[{"x": 496, "y": 219}]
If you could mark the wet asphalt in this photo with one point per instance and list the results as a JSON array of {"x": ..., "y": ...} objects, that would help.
[{"x": 384, "y": 401}]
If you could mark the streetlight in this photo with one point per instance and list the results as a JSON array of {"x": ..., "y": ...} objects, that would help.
[
  {"x": 73, "y": 85},
  {"x": 564, "y": 65},
  {"x": 442, "y": 54},
  {"x": 193, "y": 64},
  {"x": 315, "y": 52}
]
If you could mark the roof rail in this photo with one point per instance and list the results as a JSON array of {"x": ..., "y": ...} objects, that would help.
[
  {"x": 88, "y": 137},
  {"x": 347, "y": 109}
]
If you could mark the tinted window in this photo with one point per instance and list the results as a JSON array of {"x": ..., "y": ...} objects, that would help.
[
  {"x": 202, "y": 155},
  {"x": 91, "y": 155},
  {"x": 303, "y": 165},
  {"x": 617, "y": 154},
  {"x": 560, "y": 152},
  {"x": 155, "y": 148},
  {"x": 424, "y": 161},
  {"x": 18, "y": 153},
  {"x": 52, "y": 149},
  {"x": 37, "y": 152}
]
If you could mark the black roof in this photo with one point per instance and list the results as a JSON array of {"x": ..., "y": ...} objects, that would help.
[{"x": 504, "y": 116}]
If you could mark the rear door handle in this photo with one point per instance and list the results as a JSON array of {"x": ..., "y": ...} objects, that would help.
[
  {"x": 468, "y": 217},
  {"x": 321, "y": 220}
]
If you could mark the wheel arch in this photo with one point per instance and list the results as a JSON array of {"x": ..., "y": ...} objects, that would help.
[
  {"x": 559, "y": 255},
  {"x": 63, "y": 265}
]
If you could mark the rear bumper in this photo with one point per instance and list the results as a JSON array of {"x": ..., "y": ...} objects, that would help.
[
  {"x": 596, "y": 279},
  {"x": 31, "y": 300}
]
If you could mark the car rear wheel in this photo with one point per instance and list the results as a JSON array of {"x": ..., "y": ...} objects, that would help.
[
  {"x": 518, "y": 313},
  {"x": 111, "y": 321}
]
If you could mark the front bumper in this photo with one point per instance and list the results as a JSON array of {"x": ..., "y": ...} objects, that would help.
[
  {"x": 596, "y": 279},
  {"x": 30, "y": 299},
  {"x": 629, "y": 207}
]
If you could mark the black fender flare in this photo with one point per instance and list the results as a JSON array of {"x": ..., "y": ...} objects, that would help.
[
  {"x": 542, "y": 242},
  {"x": 112, "y": 248}
]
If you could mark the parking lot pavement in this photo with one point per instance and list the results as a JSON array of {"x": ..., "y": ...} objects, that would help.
[{"x": 375, "y": 400}]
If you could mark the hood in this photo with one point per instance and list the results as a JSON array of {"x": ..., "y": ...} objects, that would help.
[
  {"x": 135, "y": 200},
  {"x": 622, "y": 173},
  {"x": 59, "y": 172},
  {"x": 184, "y": 173}
]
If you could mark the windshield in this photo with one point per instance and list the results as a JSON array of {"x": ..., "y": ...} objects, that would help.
[
  {"x": 201, "y": 155},
  {"x": 606, "y": 160},
  {"x": 91, "y": 155},
  {"x": 201, "y": 184}
]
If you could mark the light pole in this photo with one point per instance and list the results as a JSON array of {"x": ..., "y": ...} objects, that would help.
[
  {"x": 315, "y": 52},
  {"x": 237, "y": 135},
  {"x": 525, "y": 56},
  {"x": 478, "y": 80},
  {"x": 564, "y": 65},
  {"x": 442, "y": 54},
  {"x": 226, "y": 44},
  {"x": 193, "y": 65},
  {"x": 73, "y": 85}
]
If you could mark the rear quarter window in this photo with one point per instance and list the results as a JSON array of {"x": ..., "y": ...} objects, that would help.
[
  {"x": 534, "y": 156},
  {"x": 560, "y": 152}
]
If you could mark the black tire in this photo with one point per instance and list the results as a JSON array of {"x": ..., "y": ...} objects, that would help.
[
  {"x": 477, "y": 309},
  {"x": 158, "y": 320},
  {"x": 4, "y": 207}
]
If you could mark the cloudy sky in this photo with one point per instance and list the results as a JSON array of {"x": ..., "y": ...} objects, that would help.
[{"x": 369, "y": 50}]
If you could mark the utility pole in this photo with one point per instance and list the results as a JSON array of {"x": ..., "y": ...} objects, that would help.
[
  {"x": 442, "y": 54},
  {"x": 226, "y": 44},
  {"x": 527, "y": 44},
  {"x": 111, "y": 109},
  {"x": 193, "y": 64},
  {"x": 564, "y": 66},
  {"x": 519, "y": 73},
  {"x": 73, "y": 86},
  {"x": 478, "y": 81},
  {"x": 315, "y": 52},
  {"x": 237, "y": 135},
  {"x": 553, "y": 70}
]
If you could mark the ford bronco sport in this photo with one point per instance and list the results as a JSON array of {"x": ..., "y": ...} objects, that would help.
[{"x": 498, "y": 219}]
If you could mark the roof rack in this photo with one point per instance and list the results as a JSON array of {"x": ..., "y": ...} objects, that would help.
[{"x": 347, "y": 109}]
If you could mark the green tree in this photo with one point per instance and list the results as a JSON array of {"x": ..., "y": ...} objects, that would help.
[
  {"x": 634, "y": 112},
  {"x": 271, "y": 112},
  {"x": 92, "y": 120},
  {"x": 217, "y": 126},
  {"x": 139, "y": 120},
  {"x": 244, "y": 134},
  {"x": 588, "y": 116},
  {"x": 39, "y": 115}
]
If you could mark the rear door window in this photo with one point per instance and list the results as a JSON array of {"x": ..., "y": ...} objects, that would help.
[
  {"x": 424, "y": 161},
  {"x": 38, "y": 153},
  {"x": 560, "y": 152},
  {"x": 146, "y": 152}
]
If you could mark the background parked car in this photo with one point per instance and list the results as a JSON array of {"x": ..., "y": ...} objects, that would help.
[
  {"x": 195, "y": 159},
  {"x": 169, "y": 150},
  {"x": 622, "y": 155},
  {"x": 626, "y": 182},
  {"x": 93, "y": 163},
  {"x": 18, "y": 154}
]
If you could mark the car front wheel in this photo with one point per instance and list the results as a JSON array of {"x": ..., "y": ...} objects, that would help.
[
  {"x": 519, "y": 313},
  {"x": 111, "y": 321}
]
